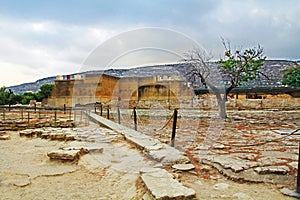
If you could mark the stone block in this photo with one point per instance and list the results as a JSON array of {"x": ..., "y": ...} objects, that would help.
[
  {"x": 241, "y": 195},
  {"x": 221, "y": 186},
  {"x": 95, "y": 149},
  {"x": 70, "y": 137},
  {"x": 294, "y": 165},
  {"x": 4, "y": 136},
  {"x": 45, "y": 135},
  {"x": 57, "y": 136},
  {"x": 289, "y": 192},
  {"x": 272, "y": 170},
  {"x": 167, "y": 155},
  {"x": 27, "y": 133},
  {"x": 230, "y": 162},
  {"x": 162, "y": 185},
  {"x": 66, "y": 155},
  {"x": 183, "y": 167}
]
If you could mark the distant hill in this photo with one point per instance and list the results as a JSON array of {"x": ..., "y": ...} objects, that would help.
[
  {"x": 271, "y": 68},
  {"x": 33, "y": 86}
]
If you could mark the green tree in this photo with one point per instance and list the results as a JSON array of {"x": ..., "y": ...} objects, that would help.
[
  {"x": 27, "y": 96},
  {"x": 44, "y": 92},
  {"x": 16, "y": 99},
  {"x": 8, "y": 97},
  {"x": 4, "y": 96},
  {"x": 238, "y": 66},
  {"x": 291, "y": 76}
]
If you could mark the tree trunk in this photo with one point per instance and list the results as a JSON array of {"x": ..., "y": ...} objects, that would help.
[
  {"x": 221, "y": 100},
  {"x": 222, "y": 106}
]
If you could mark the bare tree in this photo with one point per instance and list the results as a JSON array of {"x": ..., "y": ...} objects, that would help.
[{"x": 238, "y": 66}]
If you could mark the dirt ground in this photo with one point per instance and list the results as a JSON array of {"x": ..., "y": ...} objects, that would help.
[{"x": 27, "y": 173}]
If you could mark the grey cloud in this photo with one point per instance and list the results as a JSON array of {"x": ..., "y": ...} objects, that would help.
[
  {"x": 48, "y": 48},
  {"x": 246, "y": 23},
  {"x": 139, "y": 47}
]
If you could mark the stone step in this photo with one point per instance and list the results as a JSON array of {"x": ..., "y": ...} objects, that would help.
[{"x": 162, "y": 185}]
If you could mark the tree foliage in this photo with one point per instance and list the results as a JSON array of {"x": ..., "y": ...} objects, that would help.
[
  {"x": 291, "y": 76},
  {"x": 241, "y": 66},
  {"x": 8, "y": 97},
  {"x": 44, "y": 92}
]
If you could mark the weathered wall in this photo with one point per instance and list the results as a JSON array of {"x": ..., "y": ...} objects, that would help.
[
  {"x": 130, "y": 91},
  {"x": 257, "y": 104},
  {"x": 145, "y": 92},
  {"x": 281, "y": 102},
  {"x": 93, "y": 88}
]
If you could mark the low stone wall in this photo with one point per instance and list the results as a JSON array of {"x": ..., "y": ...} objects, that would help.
[
  {"x": 16, "y": 125},
  {"x": 209, "y": 102},
  {"x": 258, "y": 104}
]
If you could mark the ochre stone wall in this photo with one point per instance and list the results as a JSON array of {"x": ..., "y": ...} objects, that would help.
[
  {"x": 130, "y": 91},
  {"x": 258, "y": 104},
  {"x": 92, "y": 88},
  {"x": 145, "y": 92},
  {"x": 280, "y": 102}
]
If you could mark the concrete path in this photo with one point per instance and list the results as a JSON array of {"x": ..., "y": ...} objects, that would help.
[{"x": 152, "y": 147}]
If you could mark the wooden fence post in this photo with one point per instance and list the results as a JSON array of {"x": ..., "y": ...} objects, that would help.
[
  {"x": 134, "y": 118},
  {"x": 28, "y": 118},
  {"x": 55, "y": 118},
  {"x": 119, "y": 114},
  {"x": 108, "y": 112},
  {"x": 174, "y": 128},
  {"x": 101, "y": 109}
]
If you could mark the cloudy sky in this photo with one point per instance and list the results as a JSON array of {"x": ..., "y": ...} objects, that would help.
[{"x": 41, "y": 38}]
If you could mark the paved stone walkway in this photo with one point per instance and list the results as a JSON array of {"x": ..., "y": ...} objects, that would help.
[
  {"x": 250, "y": 146},
  {"x": 152, "y": 147},
  {"x": 256, "y": 147}
]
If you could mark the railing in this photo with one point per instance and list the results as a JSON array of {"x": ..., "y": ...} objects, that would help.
[{"x": 105, "y": 110}]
